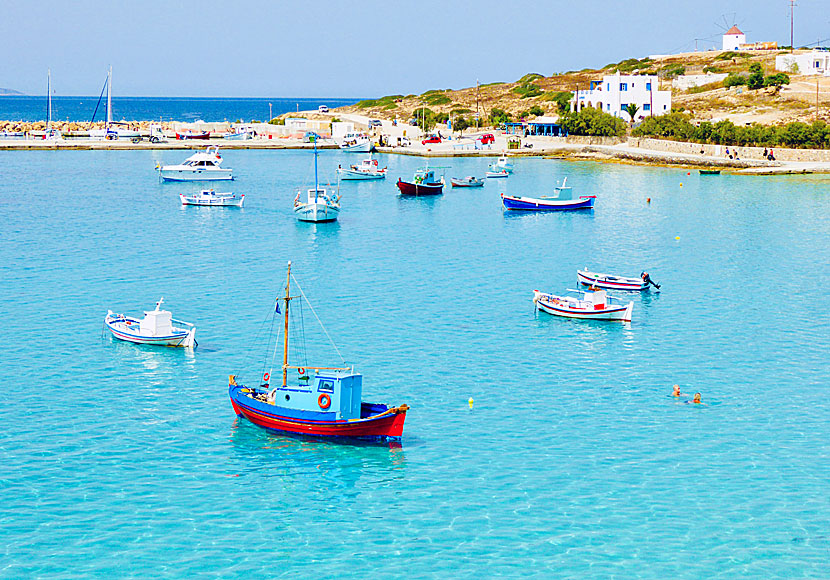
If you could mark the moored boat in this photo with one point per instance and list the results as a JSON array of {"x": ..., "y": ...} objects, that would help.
[
  {"x": 201, "y": 166},
  {"x": 469, "y": 181},
  {"x": 496, "y": 174},
  {"x": 594, "y": 305},
  {"x": 366, "y": 169},
  {"x": 319, "y": 205},
  {"x": 211, "y": 198},
  {"x": 356, "y": 143},
  {"x": 562, "y": 199},
  {"x": 424, "y": 182},
  {"x": 709, "y": 171},
  {"x": 612, "y": 282},
  {"x": 156, "y": 328},
  {"x": 319, "y": 402},
  {"x": 188, "y": 135},
  {"x": 502, "y": 164}
]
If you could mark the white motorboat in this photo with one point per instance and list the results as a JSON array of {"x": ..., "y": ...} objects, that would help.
[
  {"x": 318, "y": 205},
  {"x": 156, "y": 328},
  {"x": 210, "y": 197},
  {"x": 496, "y": 174},
  {"x": 594, "y": 305},
  {"x": 201, "y": 166},
  {"x": 366, "y": 169},
  {"x": 356, "y": 143}
]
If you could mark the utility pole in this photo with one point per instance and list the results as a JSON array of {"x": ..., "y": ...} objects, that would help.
[
  {"x": 477, "y": 117},
  {"x": 792, "y": 12},
  {"x": 817, "y": 98},
  {"x": 270, "y": 116}
]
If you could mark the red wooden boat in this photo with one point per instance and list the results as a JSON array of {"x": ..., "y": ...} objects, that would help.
[
  {"x": 321, "y": 402},
  {"x": 423, "y": 183},
  {"x": 191, "y": 135}
]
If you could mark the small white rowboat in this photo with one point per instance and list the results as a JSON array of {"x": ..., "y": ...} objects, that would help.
[
  {"x": 156, "y": 328},
  {"x": 210, "y": 197},
  {"x": 595, "y": 305}
]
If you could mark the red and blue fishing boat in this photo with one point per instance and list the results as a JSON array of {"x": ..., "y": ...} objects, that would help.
[
  {"x": 316, "y": 401},
  {"x": 562, "y": 199},
  {"x": 424, "y": 182}
]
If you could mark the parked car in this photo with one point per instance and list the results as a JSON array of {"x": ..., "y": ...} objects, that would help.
[
  {"x": 375, "y": 123},
  {"x": 431, "y": 139},
  {"x": 322, "y": 109},
  {"x": 487, "y": 139}
]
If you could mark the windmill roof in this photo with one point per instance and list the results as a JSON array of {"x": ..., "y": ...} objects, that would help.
[{"x": 734, "y": 30}]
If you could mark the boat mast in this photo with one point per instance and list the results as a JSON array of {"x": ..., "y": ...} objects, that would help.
[
  {"x": 315, "y": 173},
  {"x": 48, "y": 99},
  {"x": 109, "y": 97},
  {"x": 285, "y": 335}
]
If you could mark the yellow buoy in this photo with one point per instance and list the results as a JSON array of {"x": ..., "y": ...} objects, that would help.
[
  {"x": 681, "y": 185},
  {"x": 676, "y": 237},
  {"x": 470, "y": 402}
]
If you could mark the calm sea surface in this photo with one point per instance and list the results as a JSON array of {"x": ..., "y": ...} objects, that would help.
[
  {"x": 122, "y": 461},
  {"x": 187, "y": 109}
]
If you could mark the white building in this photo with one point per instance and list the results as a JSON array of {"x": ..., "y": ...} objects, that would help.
[
  {"x": 816, "y": 62},
  {"x": 615, "y": 92},
  {"x": 733, "y": 39}
]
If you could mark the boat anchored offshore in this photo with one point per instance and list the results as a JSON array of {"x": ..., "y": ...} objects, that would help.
[
  {"x": 423, "y": 182},
  {"x": 210, "y": 197},
  {"x": 495, "y": 174},
  {"x": 562, "y": 199},
  {"x": 156, "y": 328},
  {"x": 502, "y": 164},
  {"x": 201, "y": 166},
  {"x": 321, "y": 401},
  {"x": 318, "y": 205},
  {"x": 468, "y": 181},
  {"x": 594, "y": 305},
  {"x": 615, "y": 282},
  {"x": 366, "y": 169}
]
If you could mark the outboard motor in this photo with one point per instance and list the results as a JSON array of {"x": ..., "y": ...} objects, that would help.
[{"x": 647, "y": 280}]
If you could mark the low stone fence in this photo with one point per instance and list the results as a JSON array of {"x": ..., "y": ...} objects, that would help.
[
  {"x": 585, "y": 140},
  {"x": 719, "y": 151}
]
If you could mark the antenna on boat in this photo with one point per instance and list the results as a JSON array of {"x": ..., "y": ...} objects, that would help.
[
  {"x": 158, "y": 304},
  {"x": 287, "y": 299}
]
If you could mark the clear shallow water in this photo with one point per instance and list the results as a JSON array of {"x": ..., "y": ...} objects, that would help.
[{"x": 124, "y": 461}]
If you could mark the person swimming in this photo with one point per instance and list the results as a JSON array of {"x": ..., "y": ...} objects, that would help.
[
  {"x": 676, "y": 391},
  {"x": 696, "y": 399}
]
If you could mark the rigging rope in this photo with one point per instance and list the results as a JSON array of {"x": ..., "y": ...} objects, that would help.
[{"x": 318, "y": 320}]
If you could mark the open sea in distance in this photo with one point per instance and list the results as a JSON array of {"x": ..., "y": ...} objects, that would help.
[
  {"x": 128, "y": 462},
  {"x": 186, "y": 109}
]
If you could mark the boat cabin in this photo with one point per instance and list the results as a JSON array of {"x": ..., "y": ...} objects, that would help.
[
  {"x": 425, "y": 176},
  {"x": 157, "y": 323},
  {"x": 337, "y": 392}
]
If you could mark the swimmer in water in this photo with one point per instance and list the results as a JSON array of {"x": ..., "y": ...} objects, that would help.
[
  {"x": 676, "y": 391},
  {"x": 696, "y": 400}
]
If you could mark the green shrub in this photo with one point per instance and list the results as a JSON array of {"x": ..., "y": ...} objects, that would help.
[
  {"x": 437, "y": 99},
  {"x": 776, "y": 80},
  {"x": 729, "y": 55},
  {"x": 529, "y": 78},
  {"x": 562, "y": 100},
  {"x": 630, "y": 65},
  {"x": 534, "y": 111},
  {"x": 756, "y": 76},
  {"x": 274, "y": 121},
  {"x": 381, "y": 102},
  {"x": 498, "y": 117},
  {"x": 734, "y": 80},
  {"x": 672, "y": 70},
  {"x": 593, "y": 122},
  {"x": 460, "y": 111},
  {"x": 705, "y": 88},
  {"x": 527, "y": 91}
]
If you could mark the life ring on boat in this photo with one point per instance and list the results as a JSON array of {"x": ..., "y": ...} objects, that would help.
[
  {"x": 266, "y": 377},
  {"x": 301, "y": 370},
  {"x": 324, "y": 401}
]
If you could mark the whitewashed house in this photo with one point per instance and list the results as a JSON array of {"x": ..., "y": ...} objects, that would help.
[
  {"x": 816, "y": 62},
  {"x": 733, "y": 39},
  {"x": 615, "y": 92}
]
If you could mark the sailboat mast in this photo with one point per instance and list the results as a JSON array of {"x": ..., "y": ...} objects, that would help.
[
  {"x": 315, "y": 169},
  {"x": 48, "y": 99},
  {"x": 109, "y": 97},
  {"x": 285, "y": 334}
]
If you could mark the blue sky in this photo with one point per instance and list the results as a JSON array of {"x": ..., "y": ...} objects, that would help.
[{"x": 366, "y": 48}]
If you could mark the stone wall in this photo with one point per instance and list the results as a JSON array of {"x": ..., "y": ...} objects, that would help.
[
  {"x": 719, "y": 151},
  {"x": 586, "y": 140}
]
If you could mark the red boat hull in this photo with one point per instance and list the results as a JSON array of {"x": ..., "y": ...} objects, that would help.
[
  {"x": 386, "y": 426},
  {"x": 186, "y": 136},
  {"x": 407, "y": 188}
]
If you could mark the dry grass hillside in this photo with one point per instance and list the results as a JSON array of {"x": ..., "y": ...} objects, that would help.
[{"x": 712, "y": 102}]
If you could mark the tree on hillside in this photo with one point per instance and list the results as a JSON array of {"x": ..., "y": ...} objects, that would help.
[
  {"x": 756, "y": 76},
  {"x": 631, "y": 109}
]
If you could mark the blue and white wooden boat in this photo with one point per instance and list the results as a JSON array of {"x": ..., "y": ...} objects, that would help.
[
  {"x": 366, "y": 169},
  {"x": 156, "y": 328},
  {"x": 503, "y": 163},
  {"x": 612, "y": 282},
  {"x": 469, "y": 181},
  {"x": 496, "y": 174},
  {"x": 316, "y": 401},
  {"x": 356, "y": 143},
  {"x": 594, "y": 305},
  {"x": 211, "y": 198},
  {"x": 242, "y": 135},
  {"x": 561, "y": 200},
  {"x": 319, "y": 205}
]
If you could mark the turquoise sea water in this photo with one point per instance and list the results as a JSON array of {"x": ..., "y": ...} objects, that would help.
[{"x": 123, "y": 461}]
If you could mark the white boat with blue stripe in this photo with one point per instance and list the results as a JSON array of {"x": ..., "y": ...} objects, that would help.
[
  {"x": 201, "y": 166},
  {"x": 595, "y": 305},
  {"x": 156, "y": 328}
]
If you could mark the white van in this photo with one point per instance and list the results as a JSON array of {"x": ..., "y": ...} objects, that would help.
[{"x": 322, "y": 109}]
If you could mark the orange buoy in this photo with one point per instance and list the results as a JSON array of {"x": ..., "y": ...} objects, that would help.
[
  {"x": 265, "y": 377},
  {"x": 324, "y": 401}
]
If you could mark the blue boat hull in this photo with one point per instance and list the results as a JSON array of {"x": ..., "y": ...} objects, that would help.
[{"x": 531, "y": 204}]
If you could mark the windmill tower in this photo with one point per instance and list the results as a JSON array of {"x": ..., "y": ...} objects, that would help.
[{"x": 732, "y": 37}]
